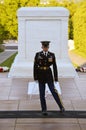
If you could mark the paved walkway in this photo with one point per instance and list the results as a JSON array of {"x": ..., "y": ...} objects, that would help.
[
  {"x": 10, "y": 49},
  {"x": 6, "y": 54},
  {"x": 13, "y": 96}
]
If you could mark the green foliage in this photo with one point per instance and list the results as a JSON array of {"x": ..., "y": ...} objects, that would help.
[
  {"x": 1, "y": 50},
  {"x": 49, "y": 3},
  {"x": 8, "y": 17},
  {"x": 3, "y": 34},
  {"x": 8, "y": 21},
  {"x": 80, "y": 28},
  {"x": 33, "y": 3}
]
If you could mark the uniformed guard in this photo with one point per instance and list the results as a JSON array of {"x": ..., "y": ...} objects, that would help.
[{"x": 43, "y": 74}]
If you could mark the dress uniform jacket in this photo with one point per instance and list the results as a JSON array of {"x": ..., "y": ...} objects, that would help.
[{"x": 42, "y": 69}]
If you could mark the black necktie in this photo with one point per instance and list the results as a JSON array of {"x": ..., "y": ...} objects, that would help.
[{"x": 45, "y": 54}]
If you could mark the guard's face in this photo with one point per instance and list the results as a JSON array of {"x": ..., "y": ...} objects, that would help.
[{"x": 45, "y": 48}]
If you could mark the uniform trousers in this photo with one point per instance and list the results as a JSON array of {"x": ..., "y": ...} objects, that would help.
[{"x": 54, "y": 93}]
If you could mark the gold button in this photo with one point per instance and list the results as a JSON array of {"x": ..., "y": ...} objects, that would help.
[{"x": 44, "y": 68}]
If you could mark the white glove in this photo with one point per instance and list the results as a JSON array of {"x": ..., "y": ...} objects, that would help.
[
  {"x": 56, "y": 82},
  {"x": 36, "y": 81},
  {"x": 57, "y": 86}
]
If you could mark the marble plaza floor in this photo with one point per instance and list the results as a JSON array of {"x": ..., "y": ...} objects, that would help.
[{"x": 15, "y": 97}]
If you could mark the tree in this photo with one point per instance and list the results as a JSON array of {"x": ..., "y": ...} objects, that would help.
[
  {"x": 8, "y": 18},
  {"x": 80, "y": 27}
]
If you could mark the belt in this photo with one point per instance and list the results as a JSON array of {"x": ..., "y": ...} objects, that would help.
[{"x": 44, "y": 68}]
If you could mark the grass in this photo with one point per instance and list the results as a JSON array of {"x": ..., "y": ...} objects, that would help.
[
  {"x": 1, "y": 50},
  {"x": 9, "y": 61}
]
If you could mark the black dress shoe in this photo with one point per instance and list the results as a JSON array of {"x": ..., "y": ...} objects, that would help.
[
  {"x": 62, "y": 110},
  {"x": 44, "y": 113}
]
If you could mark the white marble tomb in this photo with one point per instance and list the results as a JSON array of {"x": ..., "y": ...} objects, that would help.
[{"x": 36, "y": 24}]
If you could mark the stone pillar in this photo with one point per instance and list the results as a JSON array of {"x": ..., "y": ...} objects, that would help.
[{"x": 36, "y": 24}]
